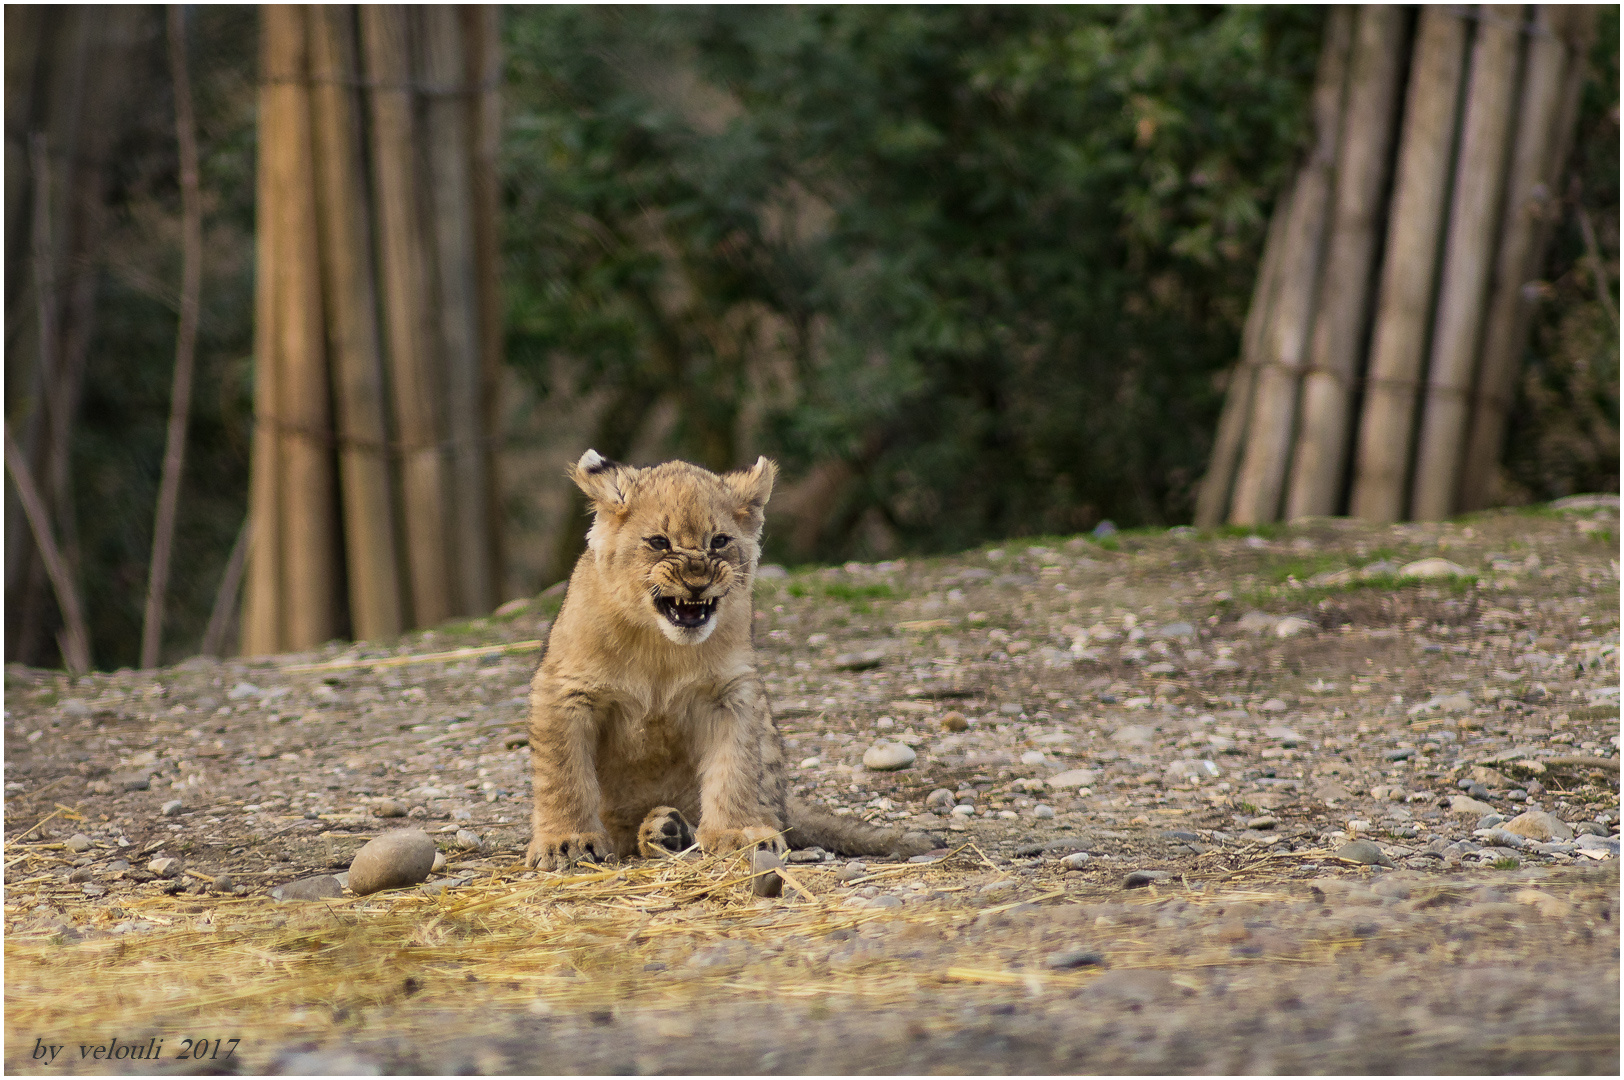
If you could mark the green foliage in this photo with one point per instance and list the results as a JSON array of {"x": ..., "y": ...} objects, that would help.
[{"x": 997, "y": 254}]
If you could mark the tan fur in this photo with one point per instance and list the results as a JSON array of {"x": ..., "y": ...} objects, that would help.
[{"x": 633, "y": 717}]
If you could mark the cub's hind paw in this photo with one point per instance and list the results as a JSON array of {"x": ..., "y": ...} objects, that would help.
[
  {"x": 719, "y": 841},
  {"x": 663, "y": 833},
  {"x": 551, "y": 851}
]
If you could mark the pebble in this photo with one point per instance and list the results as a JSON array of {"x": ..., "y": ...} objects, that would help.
[
  {"x": 1593, "y": 828},
  {"x": 964, "y": 810},
  {"x": 81, "y": 875},
  {"x": 1606, "y": 845},
  {"x": 852, "y": 871},
  {"x": 1489, "y": 821},
  {"x": 222, "y": 883},
  {"x": 1073, "y": 958},
  {"x": 806, "y": 855},
  {"x": 1073, "y": 778},
  {"x": 889, "y": 756},
  {"x": 392, "y": 861},
  {"x": 1465, "y": 804},
  {"x": 388, "y": 808},
  {"x": 1363, "y": 852},
  {"x": 1042, "y": 811},
  {"x": 1501, "y": 838},
  {"x": 439, "y": 862},
  {"x": 954, "y": 721},
  {"x": 766, "y": 864},
  {"x": 94, "y": 890},
  {"x": 941, "y": 798},
  {"x": 1264, "y": 822},
  {"x": 1138, "y": 879},
  {"x": 78, "y": 842},
  {"x": 1077, "y": 860},
  {"x": 1539, "y": 825},
  {"x": 76, "y": 709},
  {"x": 137, "y": 783},
  {"x": 172, "y": 808},
  {"x": 859, "y": 661},
  {"x": 321, "y": 887},
  {"x": 885, "y": 900},
  {"x": 1291, "y": 626},
  {"x": 165, "y": 867},
  {"x": 468, "y": 840}
]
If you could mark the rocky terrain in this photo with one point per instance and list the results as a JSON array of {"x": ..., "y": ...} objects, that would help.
[{"x": 1325, "y": 797}]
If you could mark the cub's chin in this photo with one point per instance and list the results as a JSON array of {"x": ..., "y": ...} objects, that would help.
[{"x": 686, "y": 622}]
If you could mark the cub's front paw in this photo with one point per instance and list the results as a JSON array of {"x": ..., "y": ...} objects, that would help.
[
  {"x": 717, "y": 841},
  {"x": 560, "y": 851},
  {"x": 664, "y": 832}
]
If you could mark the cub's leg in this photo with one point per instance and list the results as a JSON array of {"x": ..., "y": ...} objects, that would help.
[
  {"x": 664, "y": 832},
  {"x": 565, "y": 826},
  {"x": 740, "y": 804}
]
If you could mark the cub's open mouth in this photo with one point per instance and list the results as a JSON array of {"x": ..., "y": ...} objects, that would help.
[{"x": 687, "y": 614}]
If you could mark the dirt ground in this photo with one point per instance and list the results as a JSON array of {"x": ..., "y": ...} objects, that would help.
[{"x": 1148, "y": 752}]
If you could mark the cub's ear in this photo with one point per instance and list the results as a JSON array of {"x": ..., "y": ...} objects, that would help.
[
  {"x": 753, "y": 486},
  {"x": 604, "y": 481}
]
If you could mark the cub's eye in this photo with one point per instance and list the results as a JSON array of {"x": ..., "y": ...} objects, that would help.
[
  {"x": 659, "y": 543},
  {"x": 720, "y": 541}
]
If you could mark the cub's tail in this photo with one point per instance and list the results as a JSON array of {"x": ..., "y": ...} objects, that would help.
[{"x": 813, "y": 826}]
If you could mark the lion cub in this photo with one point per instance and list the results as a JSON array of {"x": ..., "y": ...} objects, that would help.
[{"x": 646, "y": 714}]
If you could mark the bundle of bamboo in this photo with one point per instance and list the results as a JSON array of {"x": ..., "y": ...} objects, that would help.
[
  {"x": 1390, "y": 309},
  {"x": 376, "y": 287}
]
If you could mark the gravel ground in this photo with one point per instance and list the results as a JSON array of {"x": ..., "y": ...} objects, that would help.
[{"x": 1150, "y": 755}]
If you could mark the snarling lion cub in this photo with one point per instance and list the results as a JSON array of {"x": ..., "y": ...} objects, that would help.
[{"x": 647, "y": 713}]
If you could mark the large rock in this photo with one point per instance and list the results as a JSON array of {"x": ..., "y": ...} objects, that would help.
[
  {"x": 1540, "y": 825},
  {"x": 392, "y": 861},
  {"x": 889, "y": 756},
  {"x": 1469, "y": 807}
]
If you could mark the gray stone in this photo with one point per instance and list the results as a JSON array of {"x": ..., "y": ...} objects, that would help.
[
  {"x": 137, "y": 783},
  {"x": 884, "y": 900},
  {"x": 1042, "y": 811},
  {"x": 1264, "y": 822},
  {"x": 1178, "y": 631},
  {"x": 1138, "y": 879},
  {"x": 1592, "y": 828},
  {"x": 1073, "y": 958},
  {"x": 1539, "y": 825},
  {"x": 859, "y": 661},
  {"x": 1073, "y": 778},
  {"x": 940, "y": 799},
  {"x": 468, "y": 840},
  {"x": 321, "y": 887},
  {"x": 1291, "y": 626},
  {"x": 1274, "y": 704},
  {"x": 94, "y": 890},
  {"x": 80, "y": 875},
  {"x": 439, "y": 862},
  {"x": 222, "y": 883},
  {"x": 388, "y": 808},
  {"x": 75, "y": 709},
  {"x": 78, "y": 842},
  {"x": 1256, "y": 622},
  {"x": 805, "y": 855},
  {"x": 172, "y": 808},
  {"x": 889, "y": 756},
  {"x": 1077, "y": 860},
  {"x": 1135, "y": 734},
  {"x": 392, "y": 861},
  {"x": 1605, "y": 844},
  {"x": 1501, "y": 838},
  {"x": 165, "y": 867},
  {"x": 1364, "y": 853},
  {"x": 765, "y": 865},
  {"x": 852, "y": 871},
  {"x": 1489, "y": 821}
]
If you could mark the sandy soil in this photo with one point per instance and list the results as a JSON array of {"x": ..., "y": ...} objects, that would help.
[{"x": 1157, "y": 743}]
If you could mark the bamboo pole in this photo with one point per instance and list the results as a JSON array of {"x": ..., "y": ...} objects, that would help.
[
  {"x": 1409, "y": 271},
  {"x": 1364, "y": 161},
  {"x": 309, "y": 528},
  {"x": 75, "y": 639},
  {"x": 482, "y": 36},
  {"x": 448, "y": 151},
  {"x": 1212, "y": 501},
  {"x": 1468, "y": 257},
  {"x": 1547, "y": 113},
  {"x": 262, "y": 604},
  {"x": 351, "y": 313},
  {"x": 406, "y": 304},
  {"x": 1261, "y": 478},
  {"x": 180, "y": 398}
]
